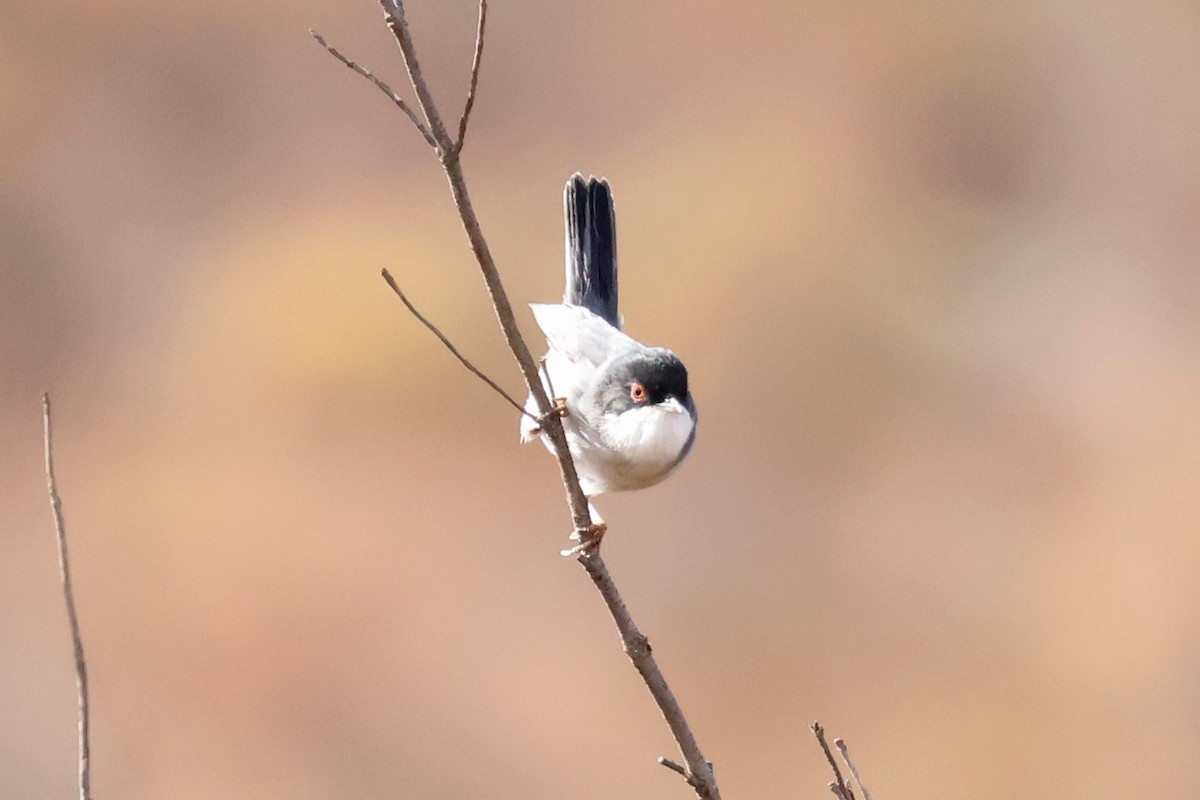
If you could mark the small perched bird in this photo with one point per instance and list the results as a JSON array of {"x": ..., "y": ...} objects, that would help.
[{"x": 629, "y": 417}]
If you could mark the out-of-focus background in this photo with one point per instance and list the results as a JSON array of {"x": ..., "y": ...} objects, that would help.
[{"x": 933, "y": 267}]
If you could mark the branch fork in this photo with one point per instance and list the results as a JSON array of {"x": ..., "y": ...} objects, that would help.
[{"x": 839, "y": 786}]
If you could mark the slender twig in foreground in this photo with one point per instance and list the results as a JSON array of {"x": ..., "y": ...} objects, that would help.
[
  {"x": 698, "y": 771},
  {"x": 64, "y": 568},
  {"x": 466, "y": 114},
  {"x": 387, "y": 276},
  {"x": 839, "y": 786},
  {"x": 383, "y": 87},
  {"x": 840, "y": 744}
]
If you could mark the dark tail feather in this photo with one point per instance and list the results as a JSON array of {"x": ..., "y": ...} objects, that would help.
[{"x": 591, "y": 247}]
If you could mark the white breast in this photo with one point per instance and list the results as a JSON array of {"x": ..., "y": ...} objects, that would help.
[{"x": 636, "y": 449}]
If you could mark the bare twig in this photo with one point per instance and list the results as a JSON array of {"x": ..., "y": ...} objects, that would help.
[
  {"x": 552, "y": 424},
  {"x": 839, "y": 786},
  {"x": 387, "y": 276},
  {"x": 840, "y": 744},
  {"x": 383, "y": 87},
  {"x": 64, "y": 568},
  {"x": 671, "y": 765},
  {"x": 698, "y": 771},
  {"x": 394, "y": 18},
  {"x": 466, "y": 114}
]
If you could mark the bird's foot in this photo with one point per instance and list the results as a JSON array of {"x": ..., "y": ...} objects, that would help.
[
  {"x": 559, "y": 410},
  {"x": 560, "y": 407},
  {"x": 589, "y": 539}
]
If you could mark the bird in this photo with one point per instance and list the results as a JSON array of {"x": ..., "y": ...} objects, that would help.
[{"x": 628, "y": 414}]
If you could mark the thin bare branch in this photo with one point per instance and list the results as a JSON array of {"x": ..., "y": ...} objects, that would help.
[
  {"x": 64, "y": 569},
  {"x": 462, "y": 123},
  {"x": 839, "y": 786},
  {"x": 840, "y": 744},
  {"x": 397, "y": 22},
  {"x": 383, "y": 87},
  {"x": 698, "y": 770},
  {"x": 551, "y": 423},
  {"x": 387, "y": 276}
]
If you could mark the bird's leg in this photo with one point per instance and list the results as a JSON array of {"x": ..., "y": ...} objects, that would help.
[
  {"x": 560, "y": 403},
  {"x": 588, "y": 538},
  {"x": 546, "y": 375}
]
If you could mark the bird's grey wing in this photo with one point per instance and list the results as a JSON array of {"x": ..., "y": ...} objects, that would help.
[
  {"x": 591, "y": 225},
  {"x": 579, "y": 335},
  {"x": 580, "y": 343}
]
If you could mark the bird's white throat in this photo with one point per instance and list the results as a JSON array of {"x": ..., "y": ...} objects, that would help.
[{"x": 651, "y": 437}]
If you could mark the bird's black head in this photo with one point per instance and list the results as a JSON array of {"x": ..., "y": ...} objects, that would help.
[{"x": 646, "y": 378}]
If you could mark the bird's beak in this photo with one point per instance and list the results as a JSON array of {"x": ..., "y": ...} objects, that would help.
[{"x": 673, "y": 405}]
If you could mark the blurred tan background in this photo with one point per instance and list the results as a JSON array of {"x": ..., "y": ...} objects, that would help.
[{"x": 933, "y": 267}]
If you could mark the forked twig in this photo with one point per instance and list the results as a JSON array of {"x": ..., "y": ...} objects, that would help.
[
  {"x": 394, "y": 18},
  {"x": 383, "y": 87},
  {"x": 838, "y": 786},
  {"x": 397, "y": 22},
  {"x": 387, "y": 276},
  {"x": 64, "y": 569},
  {"x": 697, "y": 771}
]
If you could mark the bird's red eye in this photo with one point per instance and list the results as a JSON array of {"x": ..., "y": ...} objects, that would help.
[{"x": 638, "y": 393}]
